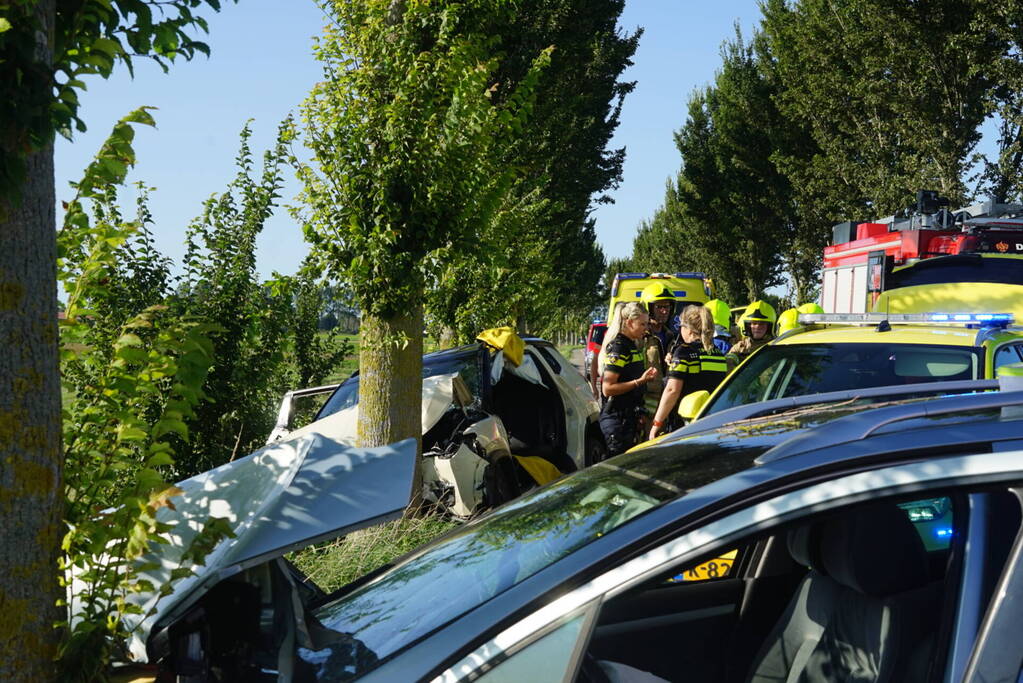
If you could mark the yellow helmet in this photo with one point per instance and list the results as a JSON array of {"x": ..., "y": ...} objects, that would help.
[
  {"x": 812, "y": 307},
  {"x": 720, "y": 312},
  {"x": 657, "y": 291},
  {"x": 789, "y": 320},
  {"x": 758, "y": 311}
]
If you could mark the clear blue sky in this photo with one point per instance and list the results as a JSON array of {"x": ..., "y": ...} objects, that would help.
[{"x": 261, "y": 67}]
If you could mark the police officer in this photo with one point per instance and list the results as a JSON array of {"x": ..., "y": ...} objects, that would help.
[
  {"x": 695, "y": 364},
  {"x": 757, "y": 327},
  {"x": 722, "y": 324},
  {"x": 624, "y": 379}
]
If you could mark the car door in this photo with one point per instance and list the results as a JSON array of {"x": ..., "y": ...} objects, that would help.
[{"x": 971, "y": 585}]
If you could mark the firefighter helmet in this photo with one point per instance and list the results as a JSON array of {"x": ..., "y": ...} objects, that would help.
[
  {"x": 655, "y": 292},
  {"x": 810, "y": 308},
  {"x": 758, "y": 311},
  {"x": 720, "y": 312},
  {"x": 789, "y": 320}
]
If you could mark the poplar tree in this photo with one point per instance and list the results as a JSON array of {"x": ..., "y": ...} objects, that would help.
[{"x": 407, "y": 133}]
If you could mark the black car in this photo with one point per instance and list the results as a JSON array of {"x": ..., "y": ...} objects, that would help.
[{"x": 866, "y": 541}]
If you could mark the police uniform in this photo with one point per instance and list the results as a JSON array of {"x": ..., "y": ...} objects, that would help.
[
  {"x": 618, "y": 416},
  {"x": 699, "y": 370}
]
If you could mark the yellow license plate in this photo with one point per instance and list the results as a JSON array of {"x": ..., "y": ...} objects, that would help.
[{"x": 717, "y": 568}]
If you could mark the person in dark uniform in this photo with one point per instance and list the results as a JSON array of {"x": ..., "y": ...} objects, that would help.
[
  {"x": 695, "y": 364},
  {"x": 623, "y": 379}
]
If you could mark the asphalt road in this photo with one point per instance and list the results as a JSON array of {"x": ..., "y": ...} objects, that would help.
[{"x": 578, "y": 355}]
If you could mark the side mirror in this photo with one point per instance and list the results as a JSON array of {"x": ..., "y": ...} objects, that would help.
[{"x": 691, "y": 404}]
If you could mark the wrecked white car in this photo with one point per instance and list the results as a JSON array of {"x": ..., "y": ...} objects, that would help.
[{"x": 495, "y": 420}]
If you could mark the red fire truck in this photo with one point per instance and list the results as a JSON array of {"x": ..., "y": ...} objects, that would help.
[{"x": 932, "y": 253}]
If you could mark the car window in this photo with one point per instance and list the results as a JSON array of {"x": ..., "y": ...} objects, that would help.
[
  {"x": 1010, "y": 353},
  {"x": 672, "y": 628},
  {"x": 463, "y": 361},
  {"x": 779, "y": 371},
  {"x": 597, "y": 335},
  {"x": 550, "y": 356},
  {"x": 549, "y": 658}
]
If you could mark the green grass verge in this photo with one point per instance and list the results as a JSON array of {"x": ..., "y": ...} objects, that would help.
[
  {"x": 340, "y": 562},
  {"x": 567, "y": 350}
]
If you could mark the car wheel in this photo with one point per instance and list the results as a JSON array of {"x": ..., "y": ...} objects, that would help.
[
  {"x": 596, "y": 449},
  {"x": 501, "y": 482}
]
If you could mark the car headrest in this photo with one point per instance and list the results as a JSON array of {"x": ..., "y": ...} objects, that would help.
[
  {"x": 800, "y": 548},
  {"x": 874, "y": 550}
]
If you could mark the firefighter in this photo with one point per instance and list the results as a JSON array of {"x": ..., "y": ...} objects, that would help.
[
  {"x": 810, "y": 308},
  {"x": 757, "y": 327},
  {"x": 660, "y": 303},
  {"x": 695, "y": 364},
  {"x": 624, "y": 378},
  {"x": 788, "y": 320},
  {"x": 722, "y": 324}
]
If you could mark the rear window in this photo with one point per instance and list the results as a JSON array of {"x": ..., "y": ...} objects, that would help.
[{"x": 802, "y": 369}]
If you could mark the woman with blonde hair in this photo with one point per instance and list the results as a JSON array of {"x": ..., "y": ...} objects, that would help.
[
  {"x": 695, "y": 364},
  {"x": 624, "y": 377}
]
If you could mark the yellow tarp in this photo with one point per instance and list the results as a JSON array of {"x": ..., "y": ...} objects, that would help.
[
  {"x": 505, "y": 339},
  {"x": 539, "y": 469}
]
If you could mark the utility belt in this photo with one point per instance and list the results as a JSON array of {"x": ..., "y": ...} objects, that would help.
[{"x": 624, "y": 411}]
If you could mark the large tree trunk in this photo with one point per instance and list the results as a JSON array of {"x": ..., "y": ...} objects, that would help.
[
  {"x": 30, "y": 439},
  {"x": 391, "y": 382}
]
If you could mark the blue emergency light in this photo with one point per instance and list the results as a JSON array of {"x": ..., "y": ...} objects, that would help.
[{"x": 997, "y": 318}]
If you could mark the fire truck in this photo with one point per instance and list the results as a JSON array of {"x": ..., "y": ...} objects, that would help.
[{"x": 933, "y": 257}]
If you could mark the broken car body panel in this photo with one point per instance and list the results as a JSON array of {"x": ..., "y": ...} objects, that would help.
[{"x": 282, "y": 497}]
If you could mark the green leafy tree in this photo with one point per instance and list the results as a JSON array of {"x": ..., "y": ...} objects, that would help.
[
  {"x": 542, "y": 260},
  {"x": 131, "y": 381},
  {"x": 407, "y": 138},
  {"x": 46, "y": 52},
  {"x": 728, "y": 213},
  {"x": 893, "y": 95},
  {"x": 254, "y": 319}
]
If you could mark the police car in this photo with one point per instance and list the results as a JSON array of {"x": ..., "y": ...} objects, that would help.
[{"x": 835, "y": 352}]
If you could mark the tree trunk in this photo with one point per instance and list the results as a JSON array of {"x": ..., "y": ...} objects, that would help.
[
  {"x": 391, "y": 382},
  {"x": 31, "y": 495},
  {"x": 448, "y": 338}
]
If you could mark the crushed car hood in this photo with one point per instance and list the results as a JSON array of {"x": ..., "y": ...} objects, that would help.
[{"x": 283, "y": 497}]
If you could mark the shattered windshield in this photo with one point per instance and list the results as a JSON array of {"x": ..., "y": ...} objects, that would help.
[
  {"x": 463, "y": 360},
  {"x": 472, "y": 565}
]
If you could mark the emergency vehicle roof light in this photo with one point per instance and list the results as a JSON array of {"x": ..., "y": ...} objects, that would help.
[{"x": 987, "y": 319}]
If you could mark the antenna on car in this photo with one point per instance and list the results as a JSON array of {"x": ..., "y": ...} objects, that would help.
[{"x": 884, "y": 325}]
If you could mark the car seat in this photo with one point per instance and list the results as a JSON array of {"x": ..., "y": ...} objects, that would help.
[{"x": 864, "y": 612}]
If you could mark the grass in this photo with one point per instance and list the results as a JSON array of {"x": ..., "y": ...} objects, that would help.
[
  {"x": 340, "y": 562},
  {"x": 348, "y": 365},
  {"x": 567, "y": 350}
]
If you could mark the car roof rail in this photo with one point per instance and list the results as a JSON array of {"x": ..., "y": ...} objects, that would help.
[
  {"x": 861, "y": 425},
  {"x": 778, "y": 405}
]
